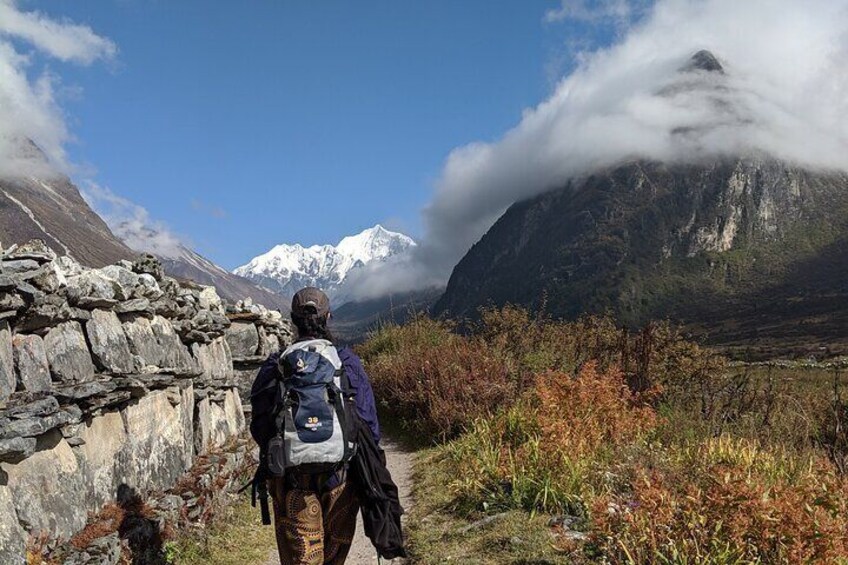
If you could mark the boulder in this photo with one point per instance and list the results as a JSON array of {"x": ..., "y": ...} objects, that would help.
[
  {"x": 165, "y": 306},
  {"x": 243, "y": 339},
  {"x": 143, "y": 342},
  {"x": 148, "y": 287},
  {"x": 125, "y": 278},
  {"x": 68, "y": 266},
  {"x": 268, "y": 342},
  {"x": 174, "y": 356},
  {"x": 20, "y": 266},
  {"x": 10, "y": 301},
  {"x": 47, "y": 278},
  {"x": 33, "y": 409},
  {"x": 213, "y": 323},
  {"x": 8, "y": 380},
  {"x": 109, "y": 344},
  {"x": 47, "y": 489},
  {"x": 31, "y": 365},
  {"x": 12, "y": 535},
  {"x": 149, "y": 264},
  {"x": 218, "y": 421},
  {"x": 157, "y": 450},
  {"x": 93, "y": 285},
  {"x": 34, "y": 249},
  {"x": 135, "y": 306},
  {"x": 67, "y": 353},
  {"x": 208, "y": 299},
  {"x": 82, "y": 391},
  {"x": 101, "y": 457},
  {"x": 34, "y": 426},
  {"x": 214, "y": 359},
  {"x": 29, "y": 293},
  {"x": 16, "y": 449}
]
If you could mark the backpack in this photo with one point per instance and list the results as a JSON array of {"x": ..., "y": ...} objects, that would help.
[{"x": 303, "y": 414}]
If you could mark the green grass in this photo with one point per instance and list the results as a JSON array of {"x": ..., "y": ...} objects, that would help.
[
  {"x": 436, "y": 534},
  {"x": 235, "y": 537}
]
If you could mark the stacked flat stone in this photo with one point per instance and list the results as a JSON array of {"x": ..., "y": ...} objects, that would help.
[
  {"x": 254, "y": 333},
  {"x": 117, "y": 375}
]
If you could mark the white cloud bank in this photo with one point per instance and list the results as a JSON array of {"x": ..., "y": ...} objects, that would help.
[
  {"x": 29, "y": 111},
  {"x": 784, "y": 92},
  {"x": 28, "y": 104}
]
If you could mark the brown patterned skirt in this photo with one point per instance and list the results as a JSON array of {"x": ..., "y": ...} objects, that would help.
[{"x": 313, "y": 527}]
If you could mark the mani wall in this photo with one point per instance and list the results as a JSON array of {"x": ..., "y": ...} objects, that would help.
[{"x": 109, "y": 377}]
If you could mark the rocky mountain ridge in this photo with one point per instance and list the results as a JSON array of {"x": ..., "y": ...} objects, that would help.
[{"x": 727, "y": 246}]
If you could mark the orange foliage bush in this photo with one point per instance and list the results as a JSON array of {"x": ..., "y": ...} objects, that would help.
[
  {"x": 595, "y": 410},
  {"x": 437, "y": 381},
  {"x": 104, "y": 523},
  {"x": 730, "y": 511}
]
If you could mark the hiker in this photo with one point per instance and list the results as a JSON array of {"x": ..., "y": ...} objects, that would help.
[{"x": 306, "y": 445}]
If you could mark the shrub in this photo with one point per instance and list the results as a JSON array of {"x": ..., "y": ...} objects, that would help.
[
  {"x": 436, "y": 381},
  {"x": 726, "y": 501},
  {"x": 659, "y": 449},
  {"x": 545, "y": 452},
  {"x": 596, "y": 410}
]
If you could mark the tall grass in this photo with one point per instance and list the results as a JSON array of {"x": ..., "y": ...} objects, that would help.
[{"x": 659, "y": 450}]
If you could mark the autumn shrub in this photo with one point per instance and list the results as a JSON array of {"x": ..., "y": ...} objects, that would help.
[
  {"x": 659, "y": 450},
  {"x": 437, "y": 381},
  {"x": 657, "y": 357},
  {"x": 546, "y": 452},
  {"x": 726, "y": 501}
]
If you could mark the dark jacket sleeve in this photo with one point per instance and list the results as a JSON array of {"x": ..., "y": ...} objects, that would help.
[
  {"x": 262, "y": 401},
  {"x": 366, "y": 407}
]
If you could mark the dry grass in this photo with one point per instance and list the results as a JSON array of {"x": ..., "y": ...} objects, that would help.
[
  {"x": 235, "y": 536},
  {"x": 657, "y": 450}
]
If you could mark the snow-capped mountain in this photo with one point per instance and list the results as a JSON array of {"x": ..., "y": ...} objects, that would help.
[{"x": 287, "y": 268}]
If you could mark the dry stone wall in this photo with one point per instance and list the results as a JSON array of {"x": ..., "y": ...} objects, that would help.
[{"x": 109, "y": 377}]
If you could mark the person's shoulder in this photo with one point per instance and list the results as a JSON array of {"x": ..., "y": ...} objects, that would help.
[{"x": 348, "y": 356}]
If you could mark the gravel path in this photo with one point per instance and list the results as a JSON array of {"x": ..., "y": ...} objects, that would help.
[{"x": 400, "y": 465}]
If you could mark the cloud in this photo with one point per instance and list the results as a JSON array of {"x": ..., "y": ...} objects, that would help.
[
  {"x": 132, "y": 223},
  {"x": 29, "y": 110},
  {"x": 784, "y": 92},
  {"x": 63, "y": 40}
]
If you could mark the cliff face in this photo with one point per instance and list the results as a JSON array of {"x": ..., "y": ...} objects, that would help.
[
  {"x": 109, "y": 377},
  {"x": 722, "y": 246}
]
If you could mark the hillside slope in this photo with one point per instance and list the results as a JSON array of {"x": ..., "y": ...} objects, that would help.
[
  {"x": 52, "y": 209},
  {"x": 741, "y": 250}
]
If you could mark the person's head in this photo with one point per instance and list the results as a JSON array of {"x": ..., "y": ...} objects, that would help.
[{"x": 310, "y": 312}]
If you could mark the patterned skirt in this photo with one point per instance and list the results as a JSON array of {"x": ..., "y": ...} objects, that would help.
[{"x": 313, "y": 526}]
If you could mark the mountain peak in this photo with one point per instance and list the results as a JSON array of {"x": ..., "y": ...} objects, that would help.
[
  {"x": 704, "y": 60},
  {"x": 288, "y": 267}
]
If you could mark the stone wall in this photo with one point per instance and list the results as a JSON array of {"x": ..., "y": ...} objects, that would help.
[{"x": 111, "y": 376}]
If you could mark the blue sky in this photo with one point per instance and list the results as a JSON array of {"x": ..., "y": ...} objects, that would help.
[{"x": 242, "y": 125}]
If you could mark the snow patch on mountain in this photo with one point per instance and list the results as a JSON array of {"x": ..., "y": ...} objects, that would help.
[{"x": 286, "y": 268}]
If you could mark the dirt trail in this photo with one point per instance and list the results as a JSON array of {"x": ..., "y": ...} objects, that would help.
[{"x": 400, "y": 464}]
